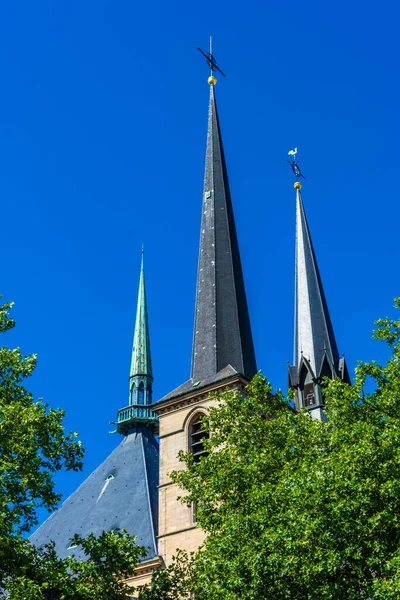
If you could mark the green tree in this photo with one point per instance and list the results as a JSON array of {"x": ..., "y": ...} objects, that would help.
[
  {"x": 295, "y": 508},
  {"x": 111, "y": 558},
  {"x": 33, "y": 446}
]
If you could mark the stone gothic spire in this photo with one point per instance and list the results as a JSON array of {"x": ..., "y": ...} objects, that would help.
[
  {"x": 222, "y": 332},
  {"x": 315, "y": 349}
]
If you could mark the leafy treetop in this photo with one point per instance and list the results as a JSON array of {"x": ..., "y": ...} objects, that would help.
[{"x": 296, "y": 508}]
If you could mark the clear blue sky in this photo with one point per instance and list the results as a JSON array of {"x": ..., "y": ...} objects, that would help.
[{"x": 103, "y": 115}]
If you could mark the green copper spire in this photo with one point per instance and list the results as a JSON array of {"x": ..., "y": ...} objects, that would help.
[
  {"x": 138, "y": 412},
  {"x": 141, "y": 357}
]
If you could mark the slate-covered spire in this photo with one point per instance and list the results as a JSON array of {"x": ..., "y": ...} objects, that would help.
[
  {"x": 222, "y": 332},
  {"x": 315, "y": 349},
  {"x": 313, "y": 334}
]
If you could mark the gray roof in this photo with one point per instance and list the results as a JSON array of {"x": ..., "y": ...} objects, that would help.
[
  {"x": 222, "y": 332},
  {"x": 121, "y": 493},
  {"x": 313, "y": 332},
  {"x": 192, "y": 385}
]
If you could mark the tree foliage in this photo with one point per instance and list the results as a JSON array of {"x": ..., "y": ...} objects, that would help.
[
  {"x": 34, "y": 446},
  {"x": 299, "y": 509},
  {"x": 111, "y": 558}
]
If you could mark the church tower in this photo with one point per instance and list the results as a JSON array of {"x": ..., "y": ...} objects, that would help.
[
  {"x": 315, "y": 350},
  {"x": 222, "y": 354},
  {"x": 122, "y": 492}
]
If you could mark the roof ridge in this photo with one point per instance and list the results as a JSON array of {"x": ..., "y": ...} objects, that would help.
[{"x": 148, "y": 494}]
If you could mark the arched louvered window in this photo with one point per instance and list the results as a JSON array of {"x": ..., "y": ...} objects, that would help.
[
  {"x": 148, "y": 394},
  {"x": 307, "y": 388},
  {"x": 140, "y": 396},
  {"x": 133, "y": 394},
  {"x": 197, "y": 435},
  {"x": 309, "y": 394}
]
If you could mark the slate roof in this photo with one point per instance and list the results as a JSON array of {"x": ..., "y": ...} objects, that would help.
[
  {"x": 222, "y": 332},
  {"x": 192, "y": 385},
  {"x": 313, "y": 332},
  {"x": 121, "y": 493}
]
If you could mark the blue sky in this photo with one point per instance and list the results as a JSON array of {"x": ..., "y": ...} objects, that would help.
[{"x": 103, "y": 116}]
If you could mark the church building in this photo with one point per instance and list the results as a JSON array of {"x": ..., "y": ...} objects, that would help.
[{"x": 131, "y": 489}]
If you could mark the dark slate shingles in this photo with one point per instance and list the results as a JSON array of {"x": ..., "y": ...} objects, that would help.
[
  {"x": 222, "y": 332},
  {"x": 311, "y": 306},
  {"x": 191, "y": 385},
  {"x": 127, "y": 500}
]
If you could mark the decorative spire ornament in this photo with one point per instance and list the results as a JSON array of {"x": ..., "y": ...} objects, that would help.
[
  {"x": 212, "y": 63},
  {"x": 295, "y": 168}
]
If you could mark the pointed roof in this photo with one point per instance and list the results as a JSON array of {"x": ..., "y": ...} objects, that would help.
[
  {"x": 121, "y": 493},
  {"x": 313, "y": 332},
  {"x": 138, "y": 411},
  {"x": 222, "y": 332},
  {"x": 141, "y": 356}
]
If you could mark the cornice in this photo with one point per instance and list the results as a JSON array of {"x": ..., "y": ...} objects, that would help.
[
  {"x": 163, "y": 535},
  {"x": 146, "y": 568},
  {"x": 193, "y": 397}
]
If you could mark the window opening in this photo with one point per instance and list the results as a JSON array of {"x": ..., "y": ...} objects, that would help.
[
  {"x": 309, "y": 394},
  {"x": 307, "y": 387},
  {"x": 193, "y": 509},
  {"x": 148, "y": 394},
  {"x": 140, "y": 398},
  {"x": 197, "y": 435}
]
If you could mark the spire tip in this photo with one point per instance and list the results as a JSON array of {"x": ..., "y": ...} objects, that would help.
[{"x": 297, "y": 185}]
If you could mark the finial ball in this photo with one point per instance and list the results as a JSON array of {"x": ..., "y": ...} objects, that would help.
[
  {"x": 212, "y": 80},
  {"x": 297, "y": 185}
]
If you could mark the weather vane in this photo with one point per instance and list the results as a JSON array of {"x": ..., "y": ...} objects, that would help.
[
  {"x": 212, "y": 63},
  {"x": 294, "y": 165}
]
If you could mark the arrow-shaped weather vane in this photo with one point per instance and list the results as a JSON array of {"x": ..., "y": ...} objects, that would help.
[
  {"x": 212, "y": 63},
  {"x": 294, "y": 165}
]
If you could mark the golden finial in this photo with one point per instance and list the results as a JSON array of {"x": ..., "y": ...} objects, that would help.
[
  {"x": 297, "y": 185},
  {"x": 212, "y": 80}
]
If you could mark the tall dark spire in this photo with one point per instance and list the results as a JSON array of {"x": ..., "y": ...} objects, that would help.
[
  {"x": 315, "y": 349},
  {"x": 222, "y": 332}
]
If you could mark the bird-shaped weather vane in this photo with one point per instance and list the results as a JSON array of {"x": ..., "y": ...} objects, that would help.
[
  {"x": 294, "y": 165},
  {"x": 212, "y": 63}
]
